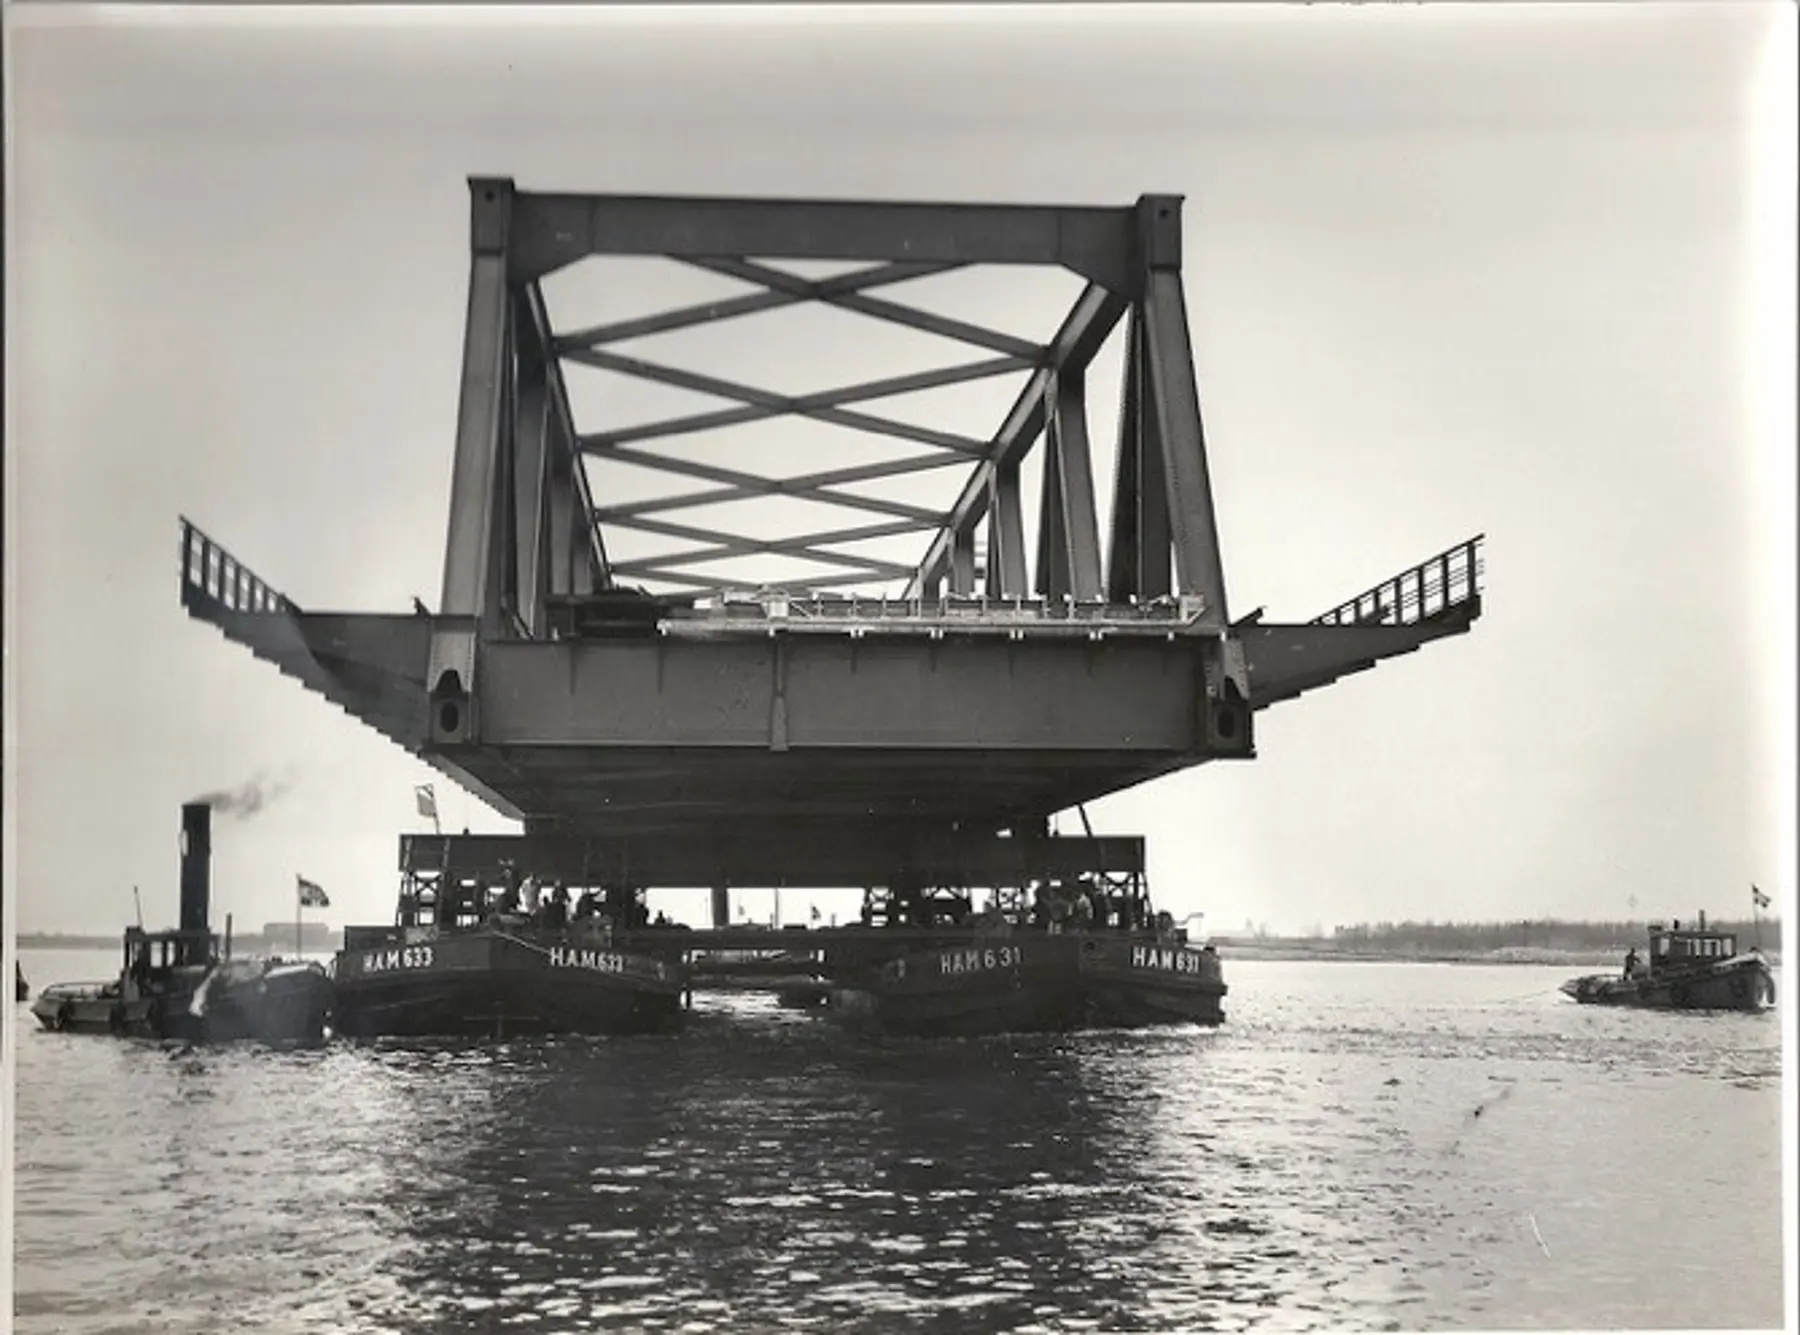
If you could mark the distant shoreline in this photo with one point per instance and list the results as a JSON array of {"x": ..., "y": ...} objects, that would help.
[
  {"x": 1300, "y": 951},
  {"x": 1274, "y": 950},
  {"x": 257, "y": 941}
]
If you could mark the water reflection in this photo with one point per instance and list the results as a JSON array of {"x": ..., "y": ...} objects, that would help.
[
  {"x": 1356, "y": 1149},
  {"x": 749, "y": 1174}
]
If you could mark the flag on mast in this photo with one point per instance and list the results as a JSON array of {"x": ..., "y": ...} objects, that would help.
[
  {"x": 1758, "y": 898},
  {"x": 311, "y": 896},
  {"x": 427, "y": 801}
]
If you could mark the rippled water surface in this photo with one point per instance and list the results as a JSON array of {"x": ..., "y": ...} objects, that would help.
[{"x": 1360, "y": 1147}]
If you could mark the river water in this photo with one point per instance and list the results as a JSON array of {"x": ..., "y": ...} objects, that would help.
[{"x": 1360, "y": 1147}]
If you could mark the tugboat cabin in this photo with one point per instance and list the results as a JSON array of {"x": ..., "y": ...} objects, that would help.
[
  {"x": 1678, "y": 947},
  {"x": 153, "y": 958}
]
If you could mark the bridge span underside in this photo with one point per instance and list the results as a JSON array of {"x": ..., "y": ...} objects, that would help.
[{"x": 852, "y": 699}]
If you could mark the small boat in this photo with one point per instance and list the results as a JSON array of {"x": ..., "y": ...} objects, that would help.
[
  {"x": 1689, "y": 968},
  {"x": 1112, "y": 966},
  {"x": 463, "y": 958},
  {"x": 182, "y": 985}
]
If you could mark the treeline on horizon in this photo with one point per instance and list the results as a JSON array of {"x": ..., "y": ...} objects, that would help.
[
  {"x": 87, "y": 941},
  {"x": 1534, "y": 934}
]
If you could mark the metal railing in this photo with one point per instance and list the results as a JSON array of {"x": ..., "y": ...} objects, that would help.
[
  {"x": 208, "y": 568},
  {"x": 1447, "y": 580},
  {"x": 840, "y": 614}
]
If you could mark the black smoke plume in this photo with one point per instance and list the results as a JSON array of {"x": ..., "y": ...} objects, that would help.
[{"x": 246, "y": 799}]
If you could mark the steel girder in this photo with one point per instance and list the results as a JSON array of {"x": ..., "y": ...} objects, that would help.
[
  {"x": 771, "y": 858},
  {"x": 832, "y": 737},
  {"x": 1073, "y": 688},
  {"x": 517, "y": 445}
]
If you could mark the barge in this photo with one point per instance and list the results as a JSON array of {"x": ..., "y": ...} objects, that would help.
[
  {"x": 1689, "y": 968},
  {"x": 184, "y": 985},
  {"x": 497, "y": 935},
  {"x": 476, "y": 949},
  {"x": 1087, "y": 954}
]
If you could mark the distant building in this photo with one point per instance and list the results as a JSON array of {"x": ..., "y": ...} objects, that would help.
[{"x": 313, "y": 935}]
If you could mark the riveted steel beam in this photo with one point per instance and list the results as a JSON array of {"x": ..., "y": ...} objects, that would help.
[
  {"x": 553, "y": 230},
  {"x": 531, "y": 469},
  {"x": 949, "y": 695},
  {"x": 878, "y": 854},
  {"x": 469, "y": 550},
  {"x": 1138, "y": 556},
  {"x": 1174, "y": 397}
]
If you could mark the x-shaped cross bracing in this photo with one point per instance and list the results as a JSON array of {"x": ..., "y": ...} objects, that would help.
[
  {"x": 829, "y": 406},
  {"x": 525, "y": 525}
]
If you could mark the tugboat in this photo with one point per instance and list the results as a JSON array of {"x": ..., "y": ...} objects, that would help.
[
  {"x": 181, "y": 985},
  {"x": 1689, "y": 968},
  {"x": 1085, "y": 954},
  {"x": 478, "y": 950}
]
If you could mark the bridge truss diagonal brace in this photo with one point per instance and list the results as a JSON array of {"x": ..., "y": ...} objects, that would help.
[
  {"x": 1163, "y": 505},
  {"x": 1162, "y": 498},
  {"x": 992, "y": 492}
]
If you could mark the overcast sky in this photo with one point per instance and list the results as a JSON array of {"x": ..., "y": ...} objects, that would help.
[{"x": 1450, "y": 270}]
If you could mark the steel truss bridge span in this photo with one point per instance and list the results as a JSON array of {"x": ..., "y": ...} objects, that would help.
[{"x": 1004, "y": 672}]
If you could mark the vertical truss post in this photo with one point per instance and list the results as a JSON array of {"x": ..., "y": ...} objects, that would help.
[
  {"x": 1123, "y": 577},
  {"x": 1138, "y": 553},
  {"x": 1174, "y": 397},
  {"x": 1077, "y": 526},
  {"x": 585, "y": 574},
  {"x": 1052, "y": 544},
  {"x": 962, "y": 561},
  {"x": 1006, "y": 576},
  {"x": 470, "y": 558},
  {"x": 561, "y": 525},
  {"x": 475, "y": 557},
  {"x": 532, "y": 448}
]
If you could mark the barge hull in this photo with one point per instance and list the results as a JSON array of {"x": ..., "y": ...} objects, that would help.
[
  {"x": 1050, "y": 983},
  {"x": 495, "y": 983},
  {"x": 497, "y": 1003}
]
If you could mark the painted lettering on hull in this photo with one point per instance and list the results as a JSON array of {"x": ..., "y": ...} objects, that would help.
[
  {"x": 1168, "y": 960},
  {"x": 400, "y": 957},
  {"x": 569, "y": 957},
  {"x": 954, "y": 962},
  {"x": 601, "y": 961}
]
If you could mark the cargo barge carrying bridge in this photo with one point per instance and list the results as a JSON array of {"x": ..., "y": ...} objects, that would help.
[{"x": 673, "y": 688}]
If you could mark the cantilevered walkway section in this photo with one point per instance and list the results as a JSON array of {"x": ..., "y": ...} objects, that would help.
[{"x": 660, "y": 706}]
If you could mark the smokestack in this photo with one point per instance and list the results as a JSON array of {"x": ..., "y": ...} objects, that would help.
[{"x": 196, "y": 866}]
